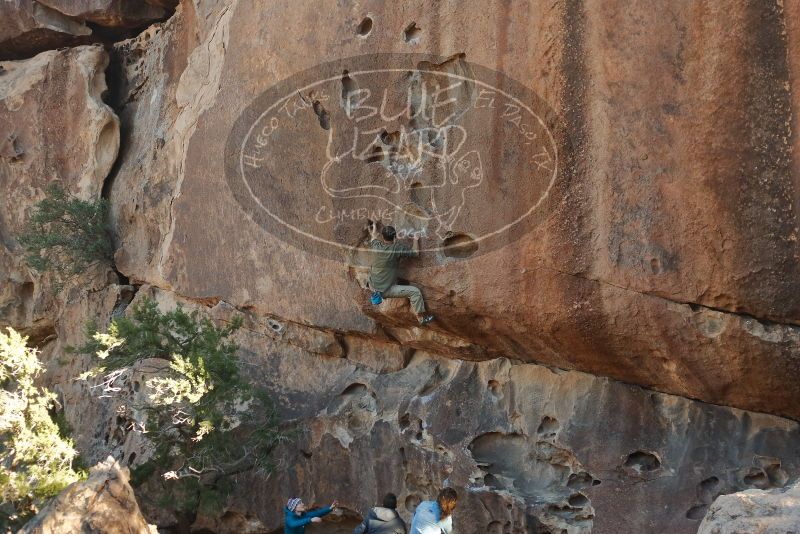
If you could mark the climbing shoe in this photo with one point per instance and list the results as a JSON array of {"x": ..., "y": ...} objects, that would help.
[
  {"x": 376, "y": 298},
  {"x": 425, "y": 319}
]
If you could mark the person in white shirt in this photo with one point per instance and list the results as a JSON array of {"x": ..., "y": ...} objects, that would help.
[{"x": 435, "y": 517}]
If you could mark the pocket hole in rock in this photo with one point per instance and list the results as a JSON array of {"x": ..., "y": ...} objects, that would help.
[
  {"x": 349, "y": 87},
  {"x": 364, "y": 27},
  {"x": 275, "y": 326},
  {"x": 549, "y": 426},
  {"x": 412, "y": 33},
  {"x": 322, "y": 115},
  {"x": 642, "y": 461},
  {"x": 581, "y": 480},
  {"x": 459, "y": 246},
  {"x": 578, "y": 500},
  {"x": 354, "y": 389}
]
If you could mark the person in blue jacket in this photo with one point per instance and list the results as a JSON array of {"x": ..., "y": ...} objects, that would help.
[
  {"x": 296, "y": 516},
  {"x": 435, "y": 517}
]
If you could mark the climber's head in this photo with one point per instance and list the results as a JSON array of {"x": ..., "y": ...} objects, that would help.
[
  {"x": 296, "y": 505},
  {"x": 447, "y": 501},
  {"x": 388, "y": 233}
]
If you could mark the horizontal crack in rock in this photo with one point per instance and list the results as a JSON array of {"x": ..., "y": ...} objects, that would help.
[{"x": 744, "y": 315}]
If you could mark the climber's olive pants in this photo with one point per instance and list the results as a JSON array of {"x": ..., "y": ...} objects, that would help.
[{"x": 412, "y": 293}]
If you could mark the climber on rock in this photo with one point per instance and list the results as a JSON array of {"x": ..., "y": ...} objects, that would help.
[
  {"x": 296, "y": 516},
  {"x": 386, "y": 255},
  {"x": 435, "y": 517},
  {"x": 383, "y": 519}
]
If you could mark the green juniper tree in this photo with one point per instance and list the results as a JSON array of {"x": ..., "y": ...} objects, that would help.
[
  {"x": 65, "y": 235},
  {"x": 204, "y": 420},
  {"x": 36, "y": 461}
]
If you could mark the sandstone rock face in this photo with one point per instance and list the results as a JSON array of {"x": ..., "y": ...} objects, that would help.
[
  {"x": 28, "y": 27},
  {"x": 665, "y": 253},
  {"x": 102, "y": 503},
  {"x": 754, "y": 511},
  {"x": 111, "y": 13},
  {"x": 561, "y": 387},
  {"x": 518, "y": 435},
  {"x": 76, "y": 144},
  {"x": 527, "y": 447},
  {"x": 45, "y": 140}
]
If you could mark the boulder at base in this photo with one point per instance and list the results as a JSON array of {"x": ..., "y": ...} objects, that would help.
[
  {"x": 104, "y": 502},
  {"x": 755, "y": 512}
]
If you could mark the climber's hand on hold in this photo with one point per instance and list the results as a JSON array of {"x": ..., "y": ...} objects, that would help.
[
  {"x": 316, "y": 520},
  {"x": 372, "y": 226}
]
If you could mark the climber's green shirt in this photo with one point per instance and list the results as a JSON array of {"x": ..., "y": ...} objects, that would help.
[{"x": 385, "y": 259}]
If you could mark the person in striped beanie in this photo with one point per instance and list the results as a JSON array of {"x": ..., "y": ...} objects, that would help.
[{"x": 296, "y": 515}]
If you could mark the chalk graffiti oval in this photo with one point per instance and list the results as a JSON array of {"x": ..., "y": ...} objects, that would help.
[{"x": 459, "y": 154}]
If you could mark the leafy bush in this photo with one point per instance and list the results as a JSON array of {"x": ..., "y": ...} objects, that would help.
[
  {"x": 36, "y": 462},
  {"x": 65, "y": 234},
  {"x": 205, "y": 421}
]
